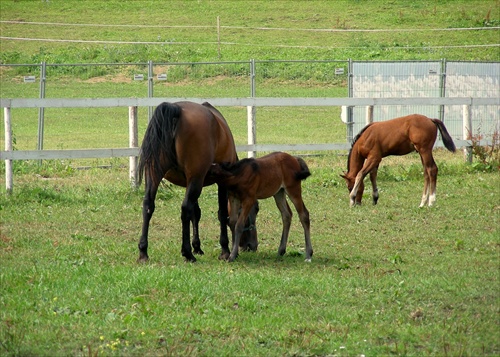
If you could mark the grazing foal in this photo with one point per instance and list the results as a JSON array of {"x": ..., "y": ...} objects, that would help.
[
  {"x": 251, "y": 179},
  {"x": 398, "y": 136}
]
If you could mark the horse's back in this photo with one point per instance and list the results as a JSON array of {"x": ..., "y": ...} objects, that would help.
[
  {"x": 281, "y": 170},
  {"x": 399, "y": 136},
  {"x": 202, "y": 137}
]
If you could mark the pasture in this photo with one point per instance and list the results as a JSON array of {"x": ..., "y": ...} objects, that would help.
[
  {"x": 391, "y": 279},
  {"x": 385, "y": 279}
]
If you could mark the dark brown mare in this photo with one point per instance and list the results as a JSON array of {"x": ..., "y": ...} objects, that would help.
[
  {"x": 181, "y": 142},
  {"x": 398, "y": 136},
  {"x": 251, "y": 179}
]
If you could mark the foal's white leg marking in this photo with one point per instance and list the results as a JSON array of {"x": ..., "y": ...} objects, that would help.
[
  {"x": 432, "y": 198},
  {"x": 425, "y": 197},
  {"x": 354, "y": 192}
]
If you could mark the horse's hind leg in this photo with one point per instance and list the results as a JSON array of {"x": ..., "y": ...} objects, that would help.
[
  {"x": 188, "y": 215},
  {"x": 286, "y": 216},
  {"x": 296, "y": 197},
  {"x": 148, "y": 207},
  {"x": 370, "y": 164},
  {"x": 246, "y": 207},
  {"x": 430, "y": 178},
  {"x": 373, "y": 179},
  {"x": 196, "y": 235}
]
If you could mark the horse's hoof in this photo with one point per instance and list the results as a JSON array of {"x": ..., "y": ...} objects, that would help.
[
  {"x": 190, "y": 260},
  {"x": 224, "y": 256},
  {"x": 308, "y": 260},
  {"x": 198, "y": 251},
  {"x": 231, "y": 259},
  {"x": 143, "y": 258}
]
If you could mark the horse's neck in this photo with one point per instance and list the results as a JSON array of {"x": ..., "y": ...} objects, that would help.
[{"x": 356, "y": 162}]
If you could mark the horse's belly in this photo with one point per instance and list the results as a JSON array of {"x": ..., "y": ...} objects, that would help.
[
  {"x": 266, "y": 191},
  {"x": 176, "y": 177},
  {"x": 401, "y": 149}
]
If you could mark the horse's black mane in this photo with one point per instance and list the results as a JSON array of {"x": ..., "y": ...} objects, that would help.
[{"x": 354, "y": 142}]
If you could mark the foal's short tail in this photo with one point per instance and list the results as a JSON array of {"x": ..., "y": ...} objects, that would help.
[
  {"x": 304, "y": 170},
  {"x": 447, "y": 140}
]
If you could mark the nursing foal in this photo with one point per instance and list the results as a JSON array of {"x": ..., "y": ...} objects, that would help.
[{"x": 251, "y": 179}]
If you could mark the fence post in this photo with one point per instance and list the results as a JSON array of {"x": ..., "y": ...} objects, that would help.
[
  {"x": 369, "y": 115},
  {"x": 133, "y": 143},
  {"x": 350, "y": 91},
  {"x": 252, "y": 132},
  {"x": 41, "y": 110},
  {"x": 150, "y": 88},
  {"x": 8, "y": 147},
  {"x": 467, "y": 131},
  {"x": 251, "y": 112},
  {"x": 442, "y": 87}
]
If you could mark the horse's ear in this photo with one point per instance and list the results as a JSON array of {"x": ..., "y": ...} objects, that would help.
[{"x": 344, "y": 177}]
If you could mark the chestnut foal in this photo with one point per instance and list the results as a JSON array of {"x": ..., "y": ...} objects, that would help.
[
  {"x": 251, "y": 179},
  {"x": 398, "y": 136}
]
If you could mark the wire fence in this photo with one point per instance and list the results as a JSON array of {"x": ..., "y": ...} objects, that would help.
[{"x": 98, "y": 127}]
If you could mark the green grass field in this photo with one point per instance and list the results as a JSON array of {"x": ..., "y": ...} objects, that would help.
[{"x": 390, "y": 279}]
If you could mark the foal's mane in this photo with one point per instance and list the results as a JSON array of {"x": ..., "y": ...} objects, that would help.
[
  {"x": 354, "y": 142},
  {"x": 238, "y": 166}
]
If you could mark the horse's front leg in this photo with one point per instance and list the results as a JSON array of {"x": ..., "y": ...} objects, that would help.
[
  {"x": 356, "y": 193},
  {"x": 240, "y": 224},
  {"x": 148, "y": 207},
  {"x": 370, "y": 164},
  {"x": 188, "y": 215},
  {"x": 196, "y": 235},
  {"x": 373, "y": 179}
]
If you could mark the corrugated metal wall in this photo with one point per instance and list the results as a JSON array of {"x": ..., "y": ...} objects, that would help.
[{"x": 428, "y": 79}]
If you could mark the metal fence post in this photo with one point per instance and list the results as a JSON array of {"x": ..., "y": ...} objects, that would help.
[{"x": 442, "y": 88}]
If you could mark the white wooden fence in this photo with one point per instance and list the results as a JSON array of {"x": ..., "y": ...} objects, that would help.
[{"x": 8, "y": 155}]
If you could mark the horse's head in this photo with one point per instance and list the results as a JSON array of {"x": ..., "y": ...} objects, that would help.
[
  {"x": 349, "y": 181},
  {"x": 218, "y": 172},
  {"x": 350, "y": 185}
]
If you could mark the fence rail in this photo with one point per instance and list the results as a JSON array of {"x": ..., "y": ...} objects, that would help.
[
  {"x": 244, "y": 102},
  {"x": 8, "y": 155}
]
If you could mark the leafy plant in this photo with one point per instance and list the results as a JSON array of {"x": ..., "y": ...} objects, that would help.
[{"x": 485, "y": 157}]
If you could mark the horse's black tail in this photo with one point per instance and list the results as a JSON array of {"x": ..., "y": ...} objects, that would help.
[
  {"x": 158, "y": 145},
  {"x": 304, "y": 170},
  {"x": 447, "y": 140}
]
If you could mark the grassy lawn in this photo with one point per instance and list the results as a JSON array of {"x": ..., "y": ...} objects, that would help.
[
  {"x": 385, "y": 279},
  {"x": 390, "y": 279}
]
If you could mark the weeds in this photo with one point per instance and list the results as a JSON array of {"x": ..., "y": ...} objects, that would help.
[{"x": 486, "y": 157}]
